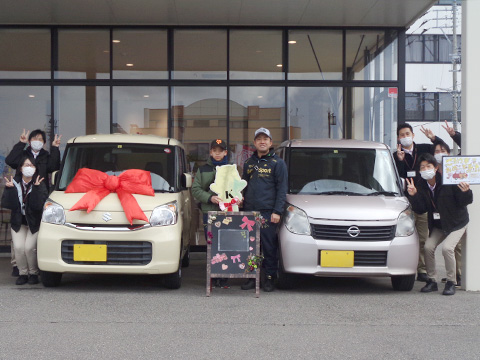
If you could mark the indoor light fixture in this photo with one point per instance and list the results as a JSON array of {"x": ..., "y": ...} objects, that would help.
[
  {"x": 31, "y": 96},
  {"x": 146, "y": 96},
  {"x": 116, "y": 41},
  {"x": 292, "y": 42},
  {"x": 129, "y": 64},
  {"x": 279, "y": 65}
]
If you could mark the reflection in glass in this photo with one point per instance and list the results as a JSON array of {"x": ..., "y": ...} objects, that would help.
[
  {"x": 256, "y": 54},
  {"x": 140, "y": 54},
  {"x": 372, "y": 55},
  {"x": 81, "y": 110},
  {"x": 250, "y": 109},
  {"x": 200, "y": 54},
  {"x": 373, "y": 114},
  {"x": 25, "y": 53},
  {"x": 315, "y": 113},
  {"x": 140, "y": 110},
  {"x": 199, "y": 116},
  {"x": 83, "y": 54},
  {"x": 315, "y": 55}
]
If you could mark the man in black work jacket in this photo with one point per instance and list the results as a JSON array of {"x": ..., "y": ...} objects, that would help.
[{"x": 266, "y": 192}]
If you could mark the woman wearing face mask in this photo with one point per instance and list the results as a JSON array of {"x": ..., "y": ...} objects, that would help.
[
  {"x": 447, "y": 218},
  {"x": 440, "y": 149},
  {"x": 25, "y": 195}
]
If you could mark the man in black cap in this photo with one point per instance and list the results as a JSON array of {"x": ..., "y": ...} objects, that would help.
[{"x": 266, "y": 192}]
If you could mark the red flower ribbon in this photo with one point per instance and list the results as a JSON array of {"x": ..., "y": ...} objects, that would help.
[
  {"x": 224, "y": 206},
  {"x": 248, "y": 223},
  {"x": 97, "y": 185}
]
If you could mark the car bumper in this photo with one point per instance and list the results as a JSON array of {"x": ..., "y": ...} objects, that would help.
[
  {"x": 163, "y": 241},
  {"x": 301, "y": 254}
]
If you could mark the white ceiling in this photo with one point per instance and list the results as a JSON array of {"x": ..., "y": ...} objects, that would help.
[{"x": 399, "y": 13}]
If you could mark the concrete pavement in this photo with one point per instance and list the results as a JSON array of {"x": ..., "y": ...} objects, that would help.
[{"x": 132, "y": 317}]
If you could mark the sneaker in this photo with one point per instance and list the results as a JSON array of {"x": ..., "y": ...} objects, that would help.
[
  {"x": 250, "y": 284},
  {"x": 21, "y": 280},
  {"x": 431, "y": 286},
  {"x": 223, "y": 284},
  {"x": 33, "y": 279},
  {"x": 449, "y": 288},
  {"x": 422, "y": 277},
  {"x": 269, "y": 286},
  {"x": 15, "y": 272}
]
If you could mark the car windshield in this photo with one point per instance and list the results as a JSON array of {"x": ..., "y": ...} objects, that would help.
[
  {"x": 113, "y": 159},
  {"x": 330, "y": 171}
]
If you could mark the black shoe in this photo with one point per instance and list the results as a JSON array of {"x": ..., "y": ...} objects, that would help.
[
  {"x": 223, "y": 284},
  {"x": 33, "y": 279},
  {"x": 422, "y": 277},
  {"x": 250, "y": 284},
  {"x": 431, "y": 286},
  {"x": 444, "y": 280},
  {"x": 21, "y": 280},
  {"x": 15, "y": 272},
  {"x": 269, "y": 286},
  {"x": 449, "y": 288},
  {"x": 459, "y": 281}
]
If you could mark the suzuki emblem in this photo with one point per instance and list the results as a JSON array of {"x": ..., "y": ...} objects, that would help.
[
  {"x": 353, "y": 231},
  {"x": 107, "y": 217}
]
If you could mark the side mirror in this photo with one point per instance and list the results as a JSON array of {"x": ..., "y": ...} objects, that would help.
[
  {"x": 54, "y": 177},
  {"x": 186, "y": 181}
]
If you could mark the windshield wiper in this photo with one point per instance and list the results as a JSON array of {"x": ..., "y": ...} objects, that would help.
[
  {"x": 387, "y": 193},
  {"x": 340, "y": 193}
]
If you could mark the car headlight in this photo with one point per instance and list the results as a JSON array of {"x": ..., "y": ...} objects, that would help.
[
  {"x": 164, "y": 215},
  {"x": 53, "y": 213},
  {"x": 405, "y": 223},
  {"x": 296, "y": 221}
]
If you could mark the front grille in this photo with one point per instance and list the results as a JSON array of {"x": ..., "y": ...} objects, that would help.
[
  {"x": 365, "y": 258},
  {"x": 367, "y": 233},
  {"x": 118, "y": 252}
]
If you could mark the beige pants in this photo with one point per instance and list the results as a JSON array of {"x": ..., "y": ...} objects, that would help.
[
  {"x": 449, "y": 243},
  {"x": 25, "y": 244},
  {"x": 421, "y": 224},
  {"x": 12, "y": 255}
]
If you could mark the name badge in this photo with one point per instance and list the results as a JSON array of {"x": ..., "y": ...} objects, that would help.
[
  {"x": 411, "y": 174},
  {"x": 436, "y": 216}
]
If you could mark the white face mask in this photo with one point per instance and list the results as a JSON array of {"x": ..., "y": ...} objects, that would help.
[
  {"x": 406, "y": 141},
  {"x": 439, "y": 157},
  {"x": 36, "y": 145},
  {"x": 28, "y": 171},
  {"x": 427, "y": 174}
]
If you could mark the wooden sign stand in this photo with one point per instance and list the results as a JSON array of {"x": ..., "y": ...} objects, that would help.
[{"x": 232, "y": 238}]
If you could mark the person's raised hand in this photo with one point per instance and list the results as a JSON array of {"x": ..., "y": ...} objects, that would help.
[
  {"x": 464, "y": 186},
  {"x": 428, "y": 133},
  {"x": 56, "y": 141},
  {"x": 411, "y": 189},
  {"x": 400, "y": 153},
  {"x": 38, "y": 181},
  {"x": 24, "y": 136},
  {"x": 450, "y": 130},
  {"x": 275, "y": 218},
  {"x": 9, "y": 183},
  {"x": 216, "y": 199}
]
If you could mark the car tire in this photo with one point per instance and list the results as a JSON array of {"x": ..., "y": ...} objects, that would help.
[
  {"x": 50, "y": 279},
  {"x": 174, "y": 280},
  {"x": 186, "y": 259},
  {"x": 403, "y": 282},
  {"x": 285, "y": 280}
]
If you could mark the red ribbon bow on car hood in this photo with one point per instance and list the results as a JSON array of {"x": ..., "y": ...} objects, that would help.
[{"x": 97, "y": 185}]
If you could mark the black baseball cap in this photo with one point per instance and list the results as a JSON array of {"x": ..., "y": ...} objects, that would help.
[{"x": 220, "y": 143}]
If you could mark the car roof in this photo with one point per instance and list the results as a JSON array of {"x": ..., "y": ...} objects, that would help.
[
  {"x": 125, "y": 138},
  {"x": 334, "y": 143}
]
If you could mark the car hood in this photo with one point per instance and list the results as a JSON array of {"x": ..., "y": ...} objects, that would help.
[{"x": 341, "y": 207}]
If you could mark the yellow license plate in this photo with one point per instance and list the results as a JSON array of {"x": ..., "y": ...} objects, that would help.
[
  {"x": 335, "y": 258},
  {"x": 89, "y": 252}
]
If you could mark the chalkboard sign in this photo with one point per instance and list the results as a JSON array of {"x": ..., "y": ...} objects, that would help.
[{"x": 233, "y": 239}]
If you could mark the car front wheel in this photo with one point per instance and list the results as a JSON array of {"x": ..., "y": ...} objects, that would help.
[
  {"x": 403, "y": 282},
  {"x": 50, "y": 279}
]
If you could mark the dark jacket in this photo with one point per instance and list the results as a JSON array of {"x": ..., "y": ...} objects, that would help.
[
  {"x": 267, "y": 183},
  {"x": 410, "y": 163},
  {"x": 457, "y": 138},
  {"x": 12, "y": 199},
  {"x": 448, "y": 200},
  {"x": 201, "y": 186},
  {"x": 45, "y": 162}
]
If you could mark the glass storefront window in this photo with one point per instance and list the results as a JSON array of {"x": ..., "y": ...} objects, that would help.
[
  {"x": 81, "y": 110},
  {"x": 140, "y": 110},
  {"x": 199, "y": 116},
  {"x": 373, "y": 114},
  {"x": 83, "y": 54},
  {"x": 250, "y": 109},
  {"x": 315, "y": 113},
  {"x": 140, "y": 54},
  {"x": 372, "y": 55},
  {"x": 315, "y": 55},
  {"x": 256, "y": 54},
  {"x": 200, "y": 54},
  {"x": 25, "y": 53}
]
